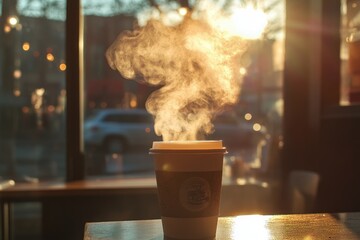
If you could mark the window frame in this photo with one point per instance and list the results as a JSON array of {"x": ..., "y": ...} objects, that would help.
[
  {"x": 75, "y": 159},
  {"x": 322, "y": 94}
]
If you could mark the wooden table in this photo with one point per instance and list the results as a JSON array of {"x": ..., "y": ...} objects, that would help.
[
  {"x": 78, "y": 198},
  {"x": 296, "y": 226}
]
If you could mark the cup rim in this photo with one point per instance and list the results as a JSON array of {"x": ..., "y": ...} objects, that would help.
[
  {"x": 188, "y": 145},
  {"x": 188, "y": 151}
]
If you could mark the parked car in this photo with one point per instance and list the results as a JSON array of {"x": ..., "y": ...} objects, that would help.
[{"x": 118, "y": 130}]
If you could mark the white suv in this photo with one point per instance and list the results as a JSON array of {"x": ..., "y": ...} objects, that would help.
[
  {"x": 126, "y": 136},
  {"x": 117, "y": 130}
]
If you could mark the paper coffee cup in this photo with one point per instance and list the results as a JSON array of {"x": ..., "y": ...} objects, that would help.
[{"x": 188, "y": 175}]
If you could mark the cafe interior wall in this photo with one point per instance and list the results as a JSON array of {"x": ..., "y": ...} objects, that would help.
[{"x": 319, "y": 134}]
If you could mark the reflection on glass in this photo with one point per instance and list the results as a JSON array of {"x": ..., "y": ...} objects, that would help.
[
  {"x": 350, "y": 52},
  {"x": 32, "y": 140},
  {"x": 12, "y": 20},
  {"x": 250, "y": 227}
]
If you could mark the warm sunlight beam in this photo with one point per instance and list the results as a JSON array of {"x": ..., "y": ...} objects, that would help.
[
  {"x": 250, "y": 227},
  {"x": 250, "y": 22}
]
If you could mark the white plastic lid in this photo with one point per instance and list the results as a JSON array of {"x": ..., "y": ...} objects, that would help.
[{"x": 188, "y": 145}]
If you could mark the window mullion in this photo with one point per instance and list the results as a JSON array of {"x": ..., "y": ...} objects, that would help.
[{"x": 75, "y": 169}]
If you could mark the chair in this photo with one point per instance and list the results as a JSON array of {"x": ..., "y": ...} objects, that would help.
[{"x": 302, "y": 190}]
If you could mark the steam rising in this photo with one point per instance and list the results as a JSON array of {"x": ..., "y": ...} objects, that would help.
[{"x": 196, "y": 65}]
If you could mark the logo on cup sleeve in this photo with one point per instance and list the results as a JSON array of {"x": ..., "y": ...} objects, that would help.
[{"x": 195, "y": 194}]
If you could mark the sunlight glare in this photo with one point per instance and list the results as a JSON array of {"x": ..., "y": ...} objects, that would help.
[
  {"x": 183, "y": 11},
  {"x": 256, "y": 127},
  {"x": 248, "y": 116},
  {"x": 242, "y": 71},
  {"x": 13, "y": 20},
  {"x": 40, "y": 92},
  {"x": 26, "y": 46},
  {"x": 250, "y": 227},
  {"x": 62, "y": 67},
  {"x": 249, "y": 22},
  {"x": 50, "y": 57}
]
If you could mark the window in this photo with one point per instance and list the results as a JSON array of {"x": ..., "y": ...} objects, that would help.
[
  {"x": 32, "y": 85},
  {"x": 350, "y": 81},
  {"x": 243, "y": 127}
]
